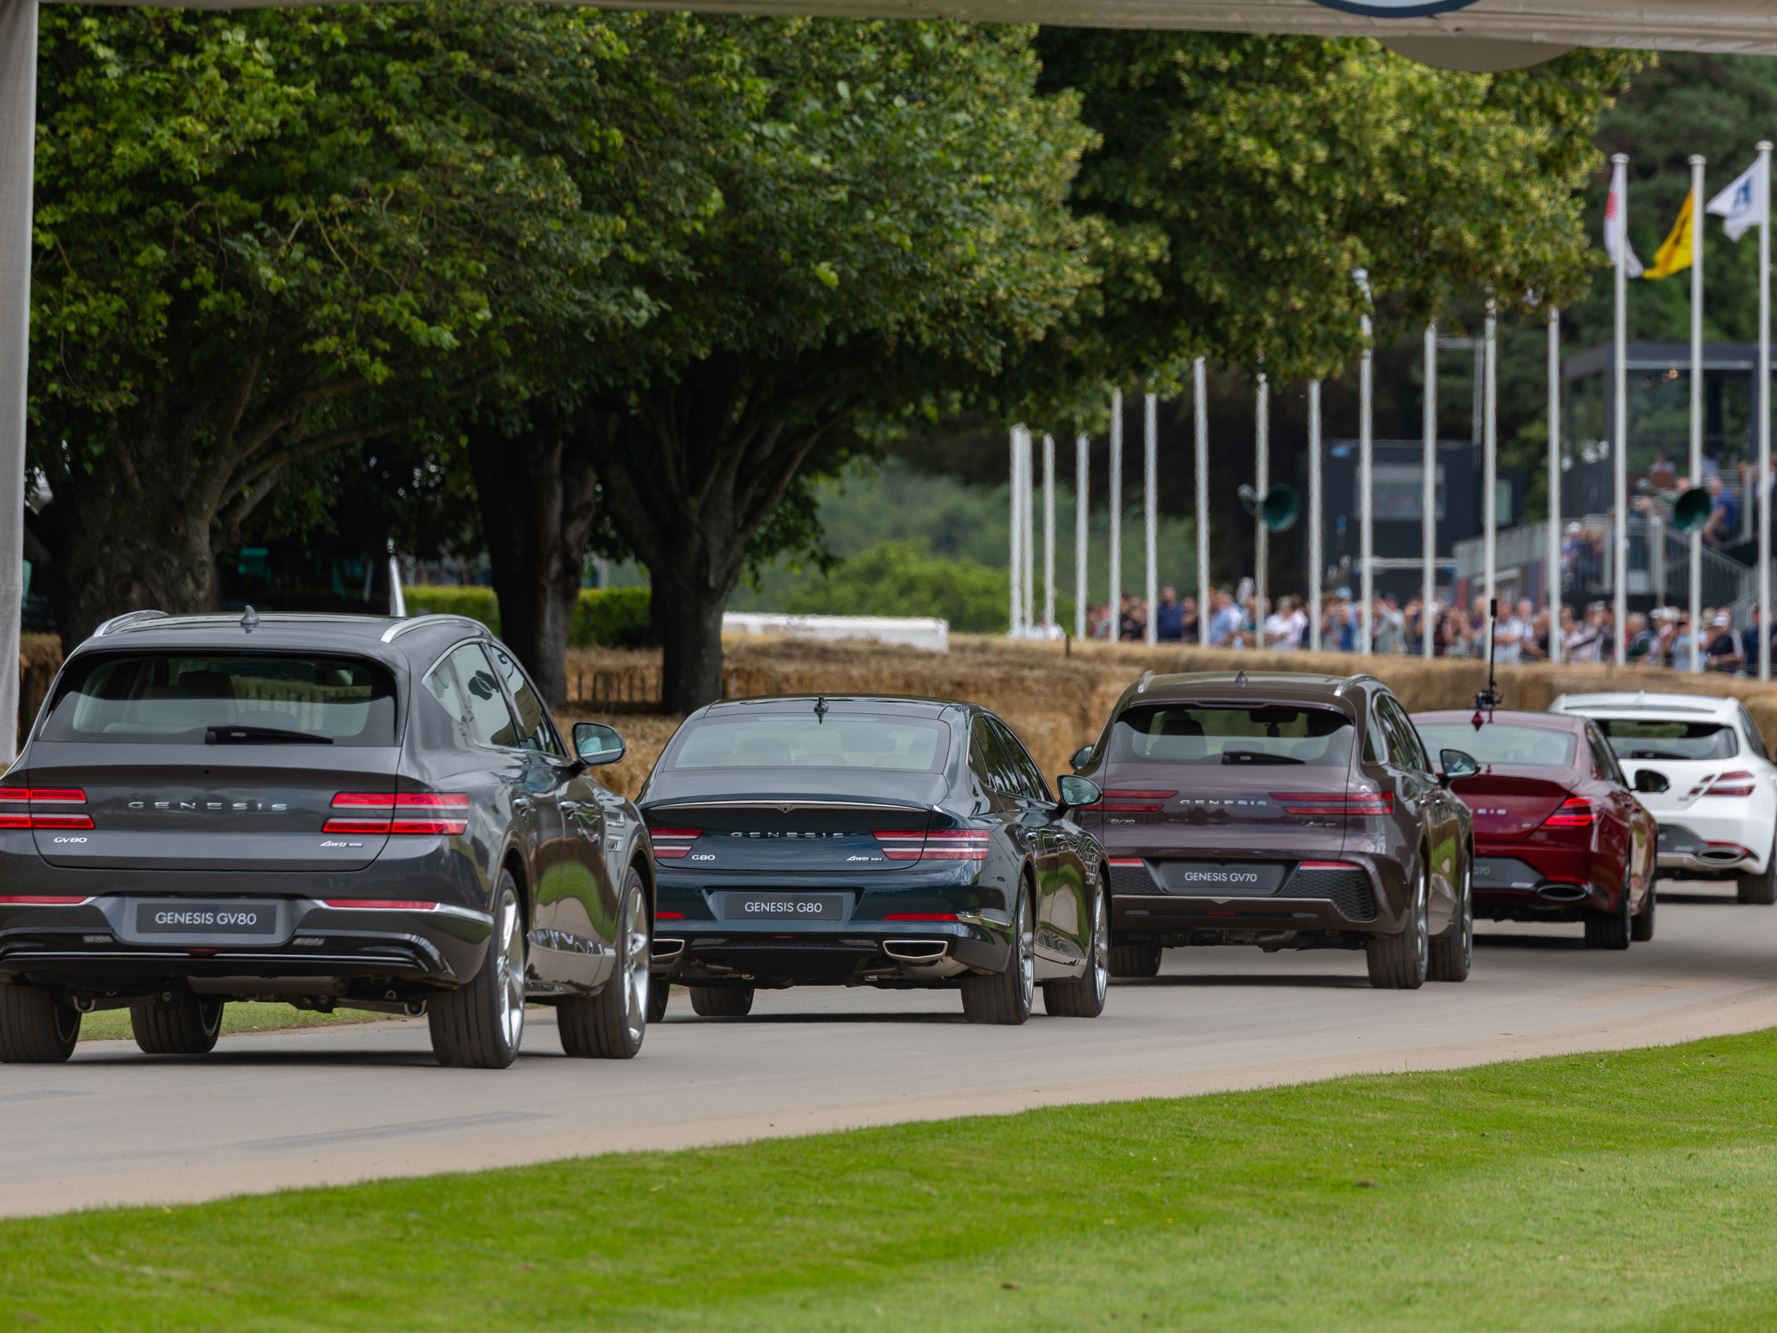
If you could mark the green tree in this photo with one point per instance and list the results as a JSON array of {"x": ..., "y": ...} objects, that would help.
[{"x": 262, "y": 236}]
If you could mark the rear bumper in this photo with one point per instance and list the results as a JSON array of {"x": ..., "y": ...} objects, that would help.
[
  {"x": 96, "y": 948},
  {"x": 1713, "y": 846},
  {"x": 1526, "y": 882},
  {"x": 1309, "y": 906},
  {"x": 900, "y": 953}
]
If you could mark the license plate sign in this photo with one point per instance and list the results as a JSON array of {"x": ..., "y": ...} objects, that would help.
[
  {"x": 1221, "y": 879},
  {"x": 784, "y": 906},
  {"x": 202, "y": 919}
]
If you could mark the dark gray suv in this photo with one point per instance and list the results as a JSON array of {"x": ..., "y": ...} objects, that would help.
[{"x": 333, "y": 811}]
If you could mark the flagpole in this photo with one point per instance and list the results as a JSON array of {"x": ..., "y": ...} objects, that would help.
[
  {"x": 1082, "y": 530},
  {"x": 1116, "y": 504},
  {"x": 1030, "y": 532},
  {"x": 1150, "y": 444},
  {"x": 1428, "y": 499},
  {"x": 1620, "y": 427},
  {"x": 1315, "y": 559},
  {"x": 1014, "y": 557},
  {"x": 1553, "y": 577},
  {"x": 1200, "y": 423},
  {"x": 1697, "y": 230},
  {"x": 1261, "y": 484},
  {"x": 1048, "y": 530},
  {"x": 1366, "y": 637},
  {"x": 1490, "y": 472},
  {"x": 1763, "y": 489}
]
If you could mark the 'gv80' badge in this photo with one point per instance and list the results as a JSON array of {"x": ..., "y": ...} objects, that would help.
[{"x": 1395, "y": 9}]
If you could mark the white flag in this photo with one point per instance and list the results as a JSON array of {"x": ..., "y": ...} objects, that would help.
[
  {"x": 1746, "y": 203},
  {"x": 1616, "y": 223}
]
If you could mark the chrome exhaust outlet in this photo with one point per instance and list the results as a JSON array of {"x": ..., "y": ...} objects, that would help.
[
  {"x": 916, "y": 951},
  {"x": 667, "y": 950},
  {"x": 1563, "y": 893},
  {"x": 1720, "y": 857}
]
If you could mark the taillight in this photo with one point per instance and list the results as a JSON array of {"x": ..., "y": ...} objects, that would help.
[
  {"x": 382, "y": 904},
  {"x": 933, "y": 845},
  {"x": 45, "y": 807},
  {"x": 1130, "y": 800},
  {"x": 673, "y": 844},
  {"x": 1732, "y": 784},
  {"x": 417, "y": 813},
  {"x": 669, "y": 916},
  {"x": 1127, "y": 861},
  {"x": 42, "y": 900},
  {"x": 920, "y": 916},
  {"x": 1574, "y": 812},
  {"x": 1347, "y": 805},
  {"x": 1327, "y": 865}
]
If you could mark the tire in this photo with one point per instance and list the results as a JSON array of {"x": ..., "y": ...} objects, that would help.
[
  {"x": 1083, "y": 997},
  {"x": 1005, "y": 998},
  {"x": 1453, "y": 953},
  {"x": 1612, "y": 931},
  {"x": 612, "y": 1024},
  {"x": 187, "y": 1028},
  {"x": 721, "y": 1001},
  {"x": 660, "y": 991},
  {"x": 480, "y": 1025},
  {"x": 1761, "y": 889},
  {"x": 37, "y": 1027},
  {"x": 1135, "y": 960},
  {"x": 1641, "y": 925},
  {"x": 1400, "y": 962}
]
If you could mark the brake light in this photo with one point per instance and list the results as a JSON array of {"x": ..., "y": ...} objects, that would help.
[
  {"x": 382, "y": 904},
  {"x": 42, "y": 900},
  {"x": 1327, "y": 865},
  {"x": 1336, "y": 805},
  {"x": 1732, "y": 784},
  {"x": 920, "y": 916},
  {"x": 673, "y": 844},
  {"x": 414, "y": 814},
  {"x": 1127, "y": 861},
  {"x": 54, "y": 798},
  {"x": 1574, "y": 812},
  {"x": 669, "y": 916},
  {"x": 933, "y": 845}
]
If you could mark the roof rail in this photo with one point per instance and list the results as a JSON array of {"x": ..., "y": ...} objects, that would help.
[
  {"x": 127, "y": 618},
  {"x": 401, "y": 627},
  {"x": 1147, "y": 678}
]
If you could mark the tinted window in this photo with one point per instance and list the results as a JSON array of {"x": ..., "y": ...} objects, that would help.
[
  {"x": 837, "y": 740},
  {"x": 441, "y": 683},
  {"x": 1754, "y": 741},
  {"x": 490, "y": 720},
  {"x": 1606, "y": 761},
  {"x": 1502, "y": 743},
  {"x": 1189, "y": 733},
  {"x": 1024, "y": 769},
  {"x": 987, "y": 755},
  {"x": 1403, "y": 741},
  {"x": 535, "y": 731},
  {"x": 1644, "y": 738},
  {"x": 176, "y": 698}
]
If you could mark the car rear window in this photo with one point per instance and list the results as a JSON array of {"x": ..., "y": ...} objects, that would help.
[
  {"x": 1500, "y": 743},
  {"x": 834, "y": 740},
  {"x": 223, "y": 698},
  {"x": 1648, "y": 738},
  {"x": 1284, "y": 734}
]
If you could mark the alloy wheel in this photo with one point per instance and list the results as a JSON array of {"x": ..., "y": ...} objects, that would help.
[
  {"x": 635, "y": 965},
  {"x": 1101, "y": 947},
  {"x": 1468, "y": 915},
  {"x": 1027, "y": 952},
  {"x": 511, "y": 971},
  {"x": 1421, "y": 928}
]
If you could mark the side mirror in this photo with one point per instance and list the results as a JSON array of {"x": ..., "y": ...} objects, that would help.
[
  {"x": 1457, "y": 764},
  {"x": 597, "y": 744},
  {"x": 1077, "y": 791},
  {"x": 1651, "y": 783},
  {"x": 1082, "y": 757}
]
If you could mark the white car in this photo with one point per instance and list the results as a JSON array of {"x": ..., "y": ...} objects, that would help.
[{"x": 1718, "y": 814}]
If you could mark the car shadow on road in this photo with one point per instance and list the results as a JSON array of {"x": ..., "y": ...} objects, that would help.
[
  {"x": 1291, "y": 982},
  {"x": 753, "y": 1020},
  {"x": 1551, "y": 942},
  {"x": 222, "y": 1056},
  {"x": 1700, "y": 899}
]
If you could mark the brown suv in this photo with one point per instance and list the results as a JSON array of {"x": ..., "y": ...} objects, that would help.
[{"x": 1286, "y": 811}]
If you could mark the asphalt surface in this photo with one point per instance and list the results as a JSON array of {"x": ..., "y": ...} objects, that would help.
[{"x": 343, "y": 1104}]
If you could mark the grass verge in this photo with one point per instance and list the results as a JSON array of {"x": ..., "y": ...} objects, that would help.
[
  {"x": 110, "y": 1024},
  {"x": 1623, "y": 1190}
]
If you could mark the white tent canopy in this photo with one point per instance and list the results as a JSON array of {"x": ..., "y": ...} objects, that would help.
[{"x": 1481, "y": 34}]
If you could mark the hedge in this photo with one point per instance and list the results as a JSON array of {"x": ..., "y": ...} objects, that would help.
[{"x": 603, "y": 617}]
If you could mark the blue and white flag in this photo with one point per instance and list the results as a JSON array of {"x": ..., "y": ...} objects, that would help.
[{"x": 1746, "y": 203}]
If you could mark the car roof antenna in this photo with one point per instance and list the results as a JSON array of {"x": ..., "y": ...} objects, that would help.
[
  {"x": 820, "y": 708},
  {"x": 249, "y": 620},
  {"x": 1488, "y": 699}
]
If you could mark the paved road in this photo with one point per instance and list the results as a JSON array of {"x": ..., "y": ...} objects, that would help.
[{"x": 305, "y": 1108}]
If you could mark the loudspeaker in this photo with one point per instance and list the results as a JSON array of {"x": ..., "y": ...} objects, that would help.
[
  {"x": 1279, "y": 509},
  {"x": 1691, "y": 510}
]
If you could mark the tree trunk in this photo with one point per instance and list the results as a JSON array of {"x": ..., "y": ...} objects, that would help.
[
  {"x": 536, "y": 491},
  {"x": 690, "y": 626},
  {"x": 114, "y": 548}
]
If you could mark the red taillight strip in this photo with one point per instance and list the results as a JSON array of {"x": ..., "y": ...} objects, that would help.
[
  {"x": 1325, "y": 803},
  {"x": 51, "y": 796},
  {"x": 382, "y": 904},
  {"x": 1743, "y": 785},
  {"x": 15, "y": 793},
  {"x": 933, "y": 844},
  {"x": 677, "y": 842},
  {"x": 920, "y": 916},
  {"x": 1574, "y": 812},
  {"x": 57, "y": 796},
  {"x": 669, "y": 916},
  {"x": 1127, "y": 861},
  {"x": 430, "y": 802},
  {"x": 42, "y": 900},
  {"x": 61, "y": 821},
  {"x": 1327, "y": 865}
]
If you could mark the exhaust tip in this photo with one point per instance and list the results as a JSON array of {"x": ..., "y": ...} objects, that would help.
[
  {"x": 1563, "y": 893},
  {"x": 916, "y": 951},
  {"x": 667, "y": 950}
]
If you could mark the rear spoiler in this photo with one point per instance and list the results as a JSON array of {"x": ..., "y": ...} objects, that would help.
[{"x": 787, "y": 803}]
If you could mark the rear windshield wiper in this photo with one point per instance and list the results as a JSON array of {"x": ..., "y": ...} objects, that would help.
[
  {"x": 1256, "y": 757},
  {"x": 225, "y": 735}
]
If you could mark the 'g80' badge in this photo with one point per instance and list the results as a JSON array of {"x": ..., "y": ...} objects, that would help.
[{"x": 1396, "y": 9}]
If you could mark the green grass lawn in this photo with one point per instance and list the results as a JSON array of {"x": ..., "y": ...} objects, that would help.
[
  {"x": 112, "y": 1023},
  {"x": 1602, "y": 1191}
]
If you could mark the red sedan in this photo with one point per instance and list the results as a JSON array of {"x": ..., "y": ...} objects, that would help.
[{"x": 1559, "y": 834}]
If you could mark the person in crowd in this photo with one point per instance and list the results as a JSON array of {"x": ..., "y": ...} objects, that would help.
[
  {"x": 1188, "y": 620},
  {"x": 1286, "y": 627},
  {"x": 1454, "y": 637},
  {"x": 1169, "y": 616},
  {"x": 1339, "y": 632},
  {"x": 1224, "y": 620},
  {"x": 1681, "y": 654},
  {"x": 1535, "y": 646},
  {"x": 1644, "y": 644},
  {"x": 1513, "y": 629},
  {"x": 1584, "y": 641},
  {"x": 1723, "y": 652},
  {"x": 1722, "y": 528},
  {"x": 1388, "y": 627}
]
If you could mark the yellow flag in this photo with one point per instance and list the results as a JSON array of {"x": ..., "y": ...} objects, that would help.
[{"x": 1676, "y": 254}]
